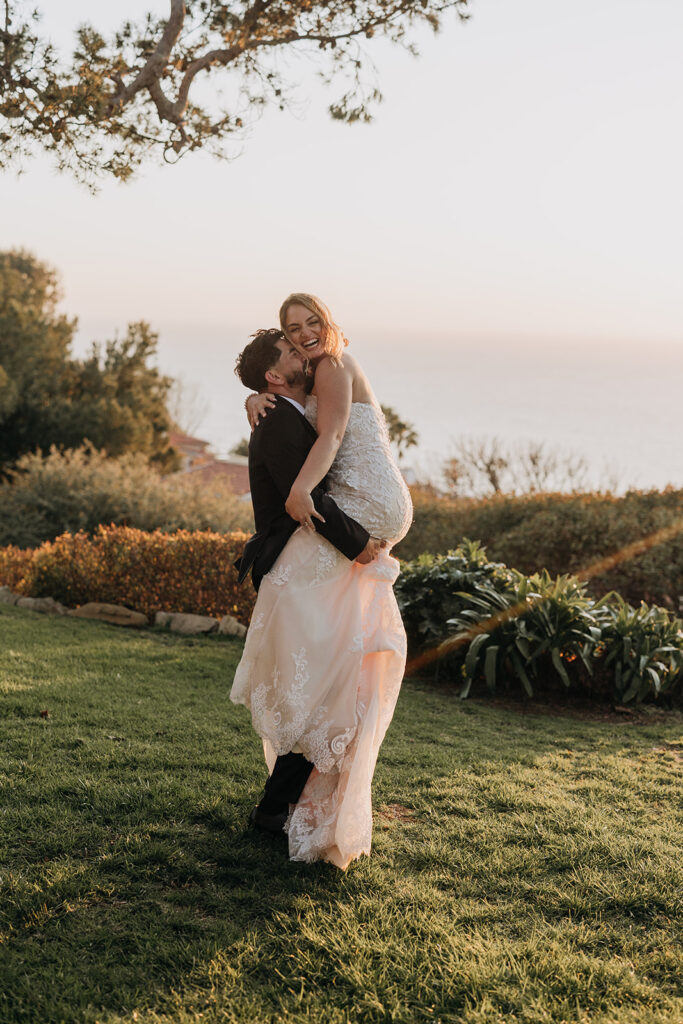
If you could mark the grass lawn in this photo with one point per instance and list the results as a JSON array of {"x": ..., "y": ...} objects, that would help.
[{"x": 525, "y": 867}]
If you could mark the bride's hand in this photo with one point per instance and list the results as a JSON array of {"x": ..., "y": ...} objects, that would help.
[
  {"x": 257, "y": 406},
  {"x": 299, "y": 506}
]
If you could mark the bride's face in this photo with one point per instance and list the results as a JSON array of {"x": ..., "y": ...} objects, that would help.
[{"x": 305, "y": 330}]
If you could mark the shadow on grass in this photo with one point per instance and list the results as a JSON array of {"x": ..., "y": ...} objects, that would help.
[
  {"x": 128, "y": 778},
  {"x": 144, "y": 914},
  {"x": 126, "y": 906}
]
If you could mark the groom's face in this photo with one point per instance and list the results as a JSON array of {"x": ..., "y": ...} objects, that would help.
[{"x": 290, "y": 365}]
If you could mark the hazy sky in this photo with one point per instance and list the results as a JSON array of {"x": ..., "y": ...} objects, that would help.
[{"x": 521, "y": 183}]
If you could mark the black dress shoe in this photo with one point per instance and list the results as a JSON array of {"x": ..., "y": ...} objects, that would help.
[{"x": 272, "y": 823}]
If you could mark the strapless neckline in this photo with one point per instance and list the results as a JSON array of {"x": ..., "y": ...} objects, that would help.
[{"x": 313, "y": 400}]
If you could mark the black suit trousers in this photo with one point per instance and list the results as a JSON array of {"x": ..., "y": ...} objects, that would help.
[{"x": 285, "y": 785}]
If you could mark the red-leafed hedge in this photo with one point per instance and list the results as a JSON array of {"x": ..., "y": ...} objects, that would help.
[
  {"x": 149, "y": 572},
  {"x": 15, "y": 566}
]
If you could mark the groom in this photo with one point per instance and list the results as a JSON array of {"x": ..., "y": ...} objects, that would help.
[{"x": 278, "y": 448}]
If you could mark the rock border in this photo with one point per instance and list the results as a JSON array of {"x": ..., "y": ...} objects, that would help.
[{"x": 118, "y": 615}]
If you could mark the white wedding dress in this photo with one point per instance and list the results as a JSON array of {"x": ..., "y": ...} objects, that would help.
[{"x": 325, "y": 650}]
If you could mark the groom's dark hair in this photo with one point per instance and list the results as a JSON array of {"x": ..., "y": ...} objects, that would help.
[{"x": 258, "y": 357}]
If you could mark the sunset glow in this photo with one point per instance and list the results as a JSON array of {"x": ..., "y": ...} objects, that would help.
[{"x": 512, "y": 215}]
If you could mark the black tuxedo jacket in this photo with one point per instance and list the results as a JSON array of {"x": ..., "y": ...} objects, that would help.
[{"x": 278, "y": 448}]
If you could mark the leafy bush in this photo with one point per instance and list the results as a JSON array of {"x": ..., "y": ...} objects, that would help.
[
  {"x": 74, "y": 491},
  {"x": 476, "y": 621},
  {"x": 15, "y": 565},
  {"x": 531, "y": 632},
  {"x": 433, "y": 588},
  {"x": 643, "y": 648},
  {"x": 149, "y": 572},
  {"x": 564, "y": 534}
]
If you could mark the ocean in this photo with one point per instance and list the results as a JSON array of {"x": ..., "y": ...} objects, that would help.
[{"x": 618, "y": 405}]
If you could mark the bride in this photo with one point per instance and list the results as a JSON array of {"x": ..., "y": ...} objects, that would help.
[{"x": 338, "y": 644}]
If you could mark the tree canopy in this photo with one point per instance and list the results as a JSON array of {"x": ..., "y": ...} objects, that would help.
[
  {"x": 118, "y": 100},
  {"x": 114, "y": 398}
]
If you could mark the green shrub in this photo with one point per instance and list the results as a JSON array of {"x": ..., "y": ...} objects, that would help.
[
  {"x": 438, "y": 526},
  {"x": 533, "y": 632},
  {"x": 474, "y": 621},
  {"x": 564, "y": 533},
  {"x": 641, "y": 648},
  {"x": 433, "y": 588},
  {"x": 75, "y": 491}
]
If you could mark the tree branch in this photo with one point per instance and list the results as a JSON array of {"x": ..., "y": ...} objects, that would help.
[
  {"x": 100, "y": 112},
  {"x": 157, "y": 61},
  {"x": 223, "y": 57},
  {"x": 173, "y": 111}
]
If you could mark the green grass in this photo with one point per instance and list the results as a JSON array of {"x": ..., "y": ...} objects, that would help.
[{"x": 526, "y": 868}]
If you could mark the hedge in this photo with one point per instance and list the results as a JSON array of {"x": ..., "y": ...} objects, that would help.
[
  {"x": 505, "y": 628},
  {"x": 149, "y": 572},
  {"x": 563, "y": 533}
]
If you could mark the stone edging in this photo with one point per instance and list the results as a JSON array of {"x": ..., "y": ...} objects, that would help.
[{"x": 116, "y": 614}]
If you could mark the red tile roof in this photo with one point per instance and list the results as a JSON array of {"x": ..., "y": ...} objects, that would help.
[{"x": 185, "y": 443}]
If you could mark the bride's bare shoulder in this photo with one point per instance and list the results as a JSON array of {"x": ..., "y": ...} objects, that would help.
[
  {"x": 329, "y": 368},
  {"x": 351, "y": 362},
  {"x": 345, "y": 375}
]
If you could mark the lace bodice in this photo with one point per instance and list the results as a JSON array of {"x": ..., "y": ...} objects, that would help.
[{"x": 364, "y": 479}]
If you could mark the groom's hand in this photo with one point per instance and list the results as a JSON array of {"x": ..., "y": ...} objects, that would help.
[{"x": 371, "y": 550}]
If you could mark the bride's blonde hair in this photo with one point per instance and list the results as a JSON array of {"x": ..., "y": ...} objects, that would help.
[{"x": 332, "y": 339}]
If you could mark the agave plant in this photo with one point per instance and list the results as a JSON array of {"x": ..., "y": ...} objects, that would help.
[
  {"x": 644, "y": 646},
  {"x": 433, "y": 588},
  {"x": 538, "y": 624}
]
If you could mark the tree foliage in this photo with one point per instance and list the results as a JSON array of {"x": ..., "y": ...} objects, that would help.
[
  {"x": 113, "y": 398},
  {"x": 402, "y": 434},
  {"x": 241, "y": 448},
  {"x": 118, "y": 100}
]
